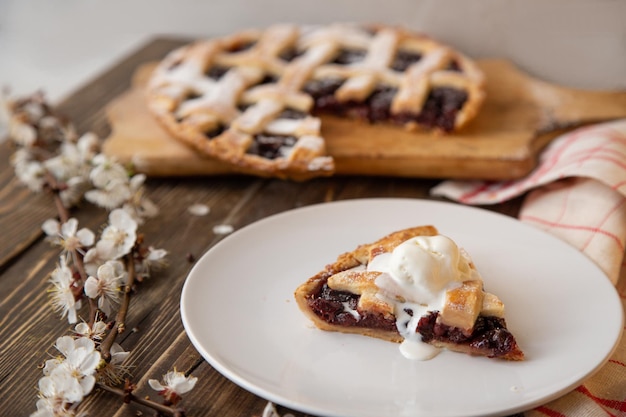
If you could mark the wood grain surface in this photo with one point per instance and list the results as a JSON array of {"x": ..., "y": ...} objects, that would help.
[{"x": 157, "y": 340}]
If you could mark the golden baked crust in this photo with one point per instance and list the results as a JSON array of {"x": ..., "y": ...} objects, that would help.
[
  {"x": 467, "y": 309},
  {"x": 245, "y": 98},
  {"x": 340, "y": 273}
]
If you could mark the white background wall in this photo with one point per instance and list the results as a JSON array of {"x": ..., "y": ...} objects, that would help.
[{"x": 57, "y": 45}]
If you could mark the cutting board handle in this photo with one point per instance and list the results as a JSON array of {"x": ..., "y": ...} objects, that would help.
[
  {"x": 571, "y": 107},
  {"x": 554, "y": 106}
]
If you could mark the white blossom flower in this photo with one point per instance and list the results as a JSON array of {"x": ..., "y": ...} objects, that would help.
[
  {"x": 113, "y": 372},
  {"x": 66, "y": 164},
  {"x": 111, "y": 182},
  {"x": 56, "y": 393},
  {"x": 22, "y": 134},
  {"x": 119, "y": 237},
  {"x": 80, "y": 354},
  {"x": 72, "y": 167},
  {"x": 47, "y": 408},
  {"x": 106, "y": 170},
  {"x": 68, "y": 346},
  {"x": 21, "y": 156},
  {"x": 63, "y": 298},
  {"x": 81, "y": 361},
  {"x": 30, "y": 121},
  {"x": 88, "y": 146},
  {"x": 33, "y": 109},
  {"x": 154, "y": 260},
  {"x": 67, "y": 235},
  {"x": 75, "y": 189},
  {"x": 51, "y": 364},
  {"x": 106, "y": 286},
  {"x": 51, "y": 128},
  {"x": 138, "y": 205},
  {"x": 67, "y": 379},
  {"x": 174, "y": 385},
  {"x": 31, "y": 174},
  {"x": 95, "y": 332},
  {"x": 44, "y": 409},
  {"x": 114, "y": 196},
  {"x": 119, "y": 270},
  {"x": 94, "y": 258}
]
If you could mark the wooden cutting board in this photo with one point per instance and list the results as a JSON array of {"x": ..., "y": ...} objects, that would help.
[{"x": 519, "y": 117}]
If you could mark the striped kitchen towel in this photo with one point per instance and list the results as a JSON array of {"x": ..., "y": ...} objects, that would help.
[{"x": 578, "y": 193}]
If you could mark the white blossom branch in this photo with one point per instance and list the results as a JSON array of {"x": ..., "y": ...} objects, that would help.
[{"x": 52, "y": 158}]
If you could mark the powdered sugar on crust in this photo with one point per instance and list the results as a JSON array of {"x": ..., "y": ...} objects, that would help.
[{"x": 226, "y": 96}]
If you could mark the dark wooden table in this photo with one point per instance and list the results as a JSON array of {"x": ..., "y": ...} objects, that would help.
[{"x": 158, "y": 343}]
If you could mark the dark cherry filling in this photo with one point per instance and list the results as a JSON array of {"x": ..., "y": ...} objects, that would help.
[
  {"x": 328, "y": 304},
  {"x": 291, "y": 114},
  {"x": 290, "y": 54},
  {"x": 216, "y": 72},
  {"x": 215, "y": 132},
  {"x": 323, "y": 92},
  {"x": 267, "y": 79},
  {"x": 454, "y": 66},
  {"x": 242, "y": 107},
  {"x": 191, "y": 95},
  {"x": 268, "y": 146},
  {"x": 439, "y": 111},
  {"x": 404, "y": 59},
  {"x": 490, "y": 334},
  {"x": 286, "y": 113},
  {"x": 440, "y": 108}
]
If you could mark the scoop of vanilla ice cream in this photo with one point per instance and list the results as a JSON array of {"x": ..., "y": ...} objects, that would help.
[{"x": 422, "y": 268}]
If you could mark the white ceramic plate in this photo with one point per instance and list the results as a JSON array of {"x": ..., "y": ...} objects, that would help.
[{"x": 238, "y": 309}]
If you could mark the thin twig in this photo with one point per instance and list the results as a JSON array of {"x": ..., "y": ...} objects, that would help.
[
  {"x": 64, "y": 131},
  {"x": 123, "y": 311},
  {"x": 129, "y": 396},
  {"x": 105, "y": 346},
  {"x": 55, "y": 189},
  {"x": 64, "y": 215},
  {"x": 120, "y": 320},
  {"x": 80, "y": 267}
]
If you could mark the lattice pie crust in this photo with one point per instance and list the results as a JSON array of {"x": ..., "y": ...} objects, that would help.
[{"x": 253, "y": 99}]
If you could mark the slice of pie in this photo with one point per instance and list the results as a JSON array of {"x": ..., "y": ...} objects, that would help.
[
  {"x": 413, "y": 286},
  {"x": 254, "y": 99}
]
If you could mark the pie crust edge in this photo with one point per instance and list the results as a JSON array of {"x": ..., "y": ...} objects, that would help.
[{"x": 351, "y": 259}]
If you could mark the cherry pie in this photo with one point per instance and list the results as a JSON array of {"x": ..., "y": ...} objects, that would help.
[
  {"x": 254, "y": 99},
  {"x": 353, "y": 295}
]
